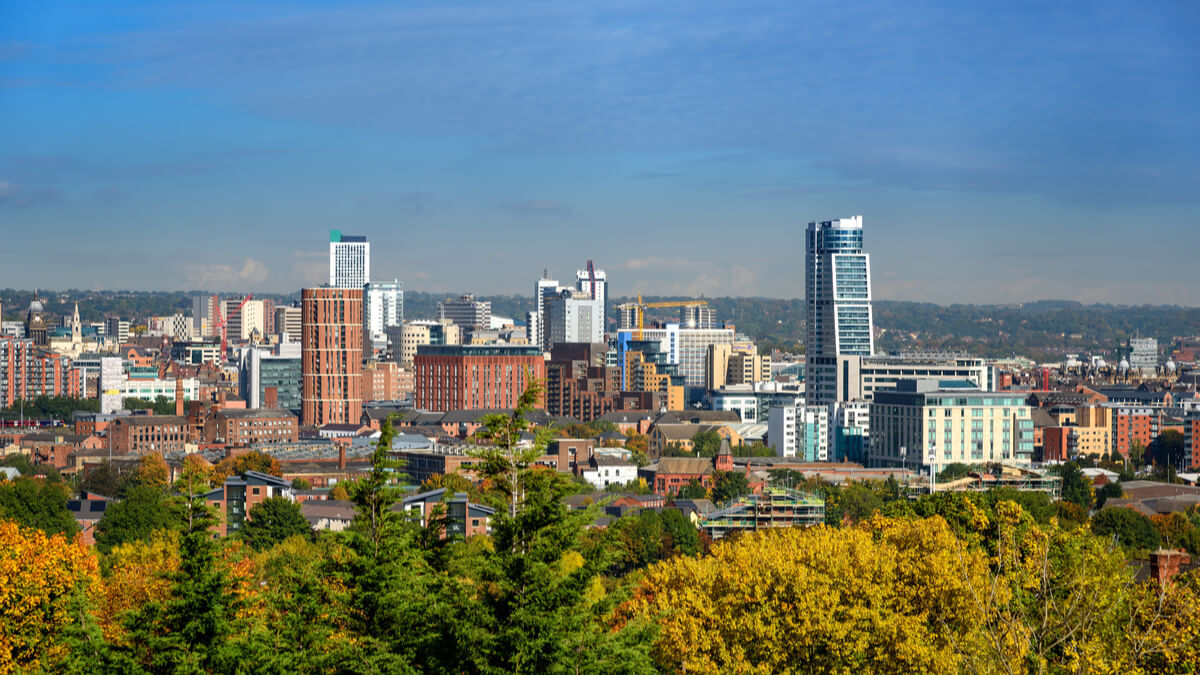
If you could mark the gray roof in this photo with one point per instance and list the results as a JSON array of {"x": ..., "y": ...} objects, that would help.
[
  {"x": 609, "y": 460},
  {"x": 255, "y": 413},
  {"x": 701, "y": 466}
]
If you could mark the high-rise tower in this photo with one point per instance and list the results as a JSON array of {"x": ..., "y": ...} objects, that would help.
[
  {"x": 349, "y": 260},
  {"x": 331, "y": 349},
  {"x": 837, "y": 298}
]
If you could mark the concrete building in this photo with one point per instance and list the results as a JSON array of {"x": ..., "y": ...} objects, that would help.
[
  {"x": 859, "y": 377},
  {"x": 118, "y": 328},
  {"x": 205, "y": 310},
  {"x": 771, "y": 507},
  {"x": 415, "y": 334},
  {"x": 735, "y": 363},
  {"x": 331, "y": 356},
  {"x": 349, "y": 261},
  {"x": 474, "y": 377},
  {"x": 695, "y": 316},
  {"x": 837, "y": 303},
  {"x": 245, "y": 322},
  {"x": 800, "y": 431},
  {"x": 466, "y": 311},
  {"x": 1143, "y": 356},
  {"x": 684, "y": 347},
  {"x": 383, "y": 308},
  {"x": 753, "y": 402},
  {"x": 849, "y": 431},
  {"x": 150, "y": 388},
  {"x": 279, "y": 369},
  {"x": 572, "y": 316},
  {"x": 928, "y": 421}
]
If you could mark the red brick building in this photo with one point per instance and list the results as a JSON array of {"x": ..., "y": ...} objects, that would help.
[
  {"x": 145, "y": 434},
  {"x": 1054, "y": 443},
  {"x": 1191, "y": 438},
  {"x": 386, "y": 381},
  {"x": 331, "y": 349},
  {"x": 1134, "y": 424},
  {"x": 240, "y": 427},
  {"x": 239, "y": 494},
  {"x": 473, "y": 377}
]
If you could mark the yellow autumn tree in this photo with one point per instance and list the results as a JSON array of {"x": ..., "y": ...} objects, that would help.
[
  {"x": 138, "y": 574},
  {"x": 893, "y": 595},
  {"x": 38, "y": 575}
]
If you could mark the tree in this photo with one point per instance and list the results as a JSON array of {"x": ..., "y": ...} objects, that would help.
[
  {"x": 1137, "y": 453},
  {"x": 636, "y": 442},
  {"x": 812, "y": 600},
  {"x": 1129, "y": 528},
  {"x": 250, "y": 461},
  {"x": 729, "y": 485},
  {"x": 340, "y": 493},
  {"x": 1168, "y": 449},
  {"x": 301, "y": 483},
  {"x": 272, "y": 521},
  {"x": 1076, "y": 488},
  {"x": 1106, "y": 492},
  {"x": 706, "y": 443},
  {"x": 103, "y": 479},
  {"x": 152, "y": 472},
  {"x": 144, "y": 510},
  {"x": 20, "y": 463},
  {"x": 37, "y": 504},
  {"x": 161, "y": 405},
  {"x": 40, "y": 575},
  {"x": 693, "y": 490}
]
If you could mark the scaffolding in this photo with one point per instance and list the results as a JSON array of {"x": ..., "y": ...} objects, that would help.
[{"x": 773, "y": 507}]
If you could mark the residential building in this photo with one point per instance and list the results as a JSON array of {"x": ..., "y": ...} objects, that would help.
[
  {"x": 1133, "y": 424},
  {"x": 604, "y": 470},
  {"x": 233, "y": 500},
  {"x": 572, "y": 316},
  {"x": 245, "y": 323},
  {"x": 235, "y": 427},
  {"x": 118, "y": 328},
  {"x": 850, "y": 431},
  {"x": 28, "y": 371},
  {"x": 1191, "y": 438},
  {"x": 771, "y": 507},
  {"x": 800, "y": 431},
  {"x": 331, "y": 356},
  {"x": 458, "y": 377},
  {"x": 349, "y": 261},
  {"x": 697, "y": 316},
  {"x": 837, "y": 303},
  {"x": 686, "y": 348},
  {"x": 466, "y": 311},
  {"x": 278, "y": 368},
  {"x": 386, "y": 381},
  {"x": 927, "y": 421},
  {"x": 205, "y": 315},
  {"x": 383, "y": 308},
  {"x": 735, "y": 363},
  {"x": 460, "y": 517},
  {"x": 148, "y": 434}
]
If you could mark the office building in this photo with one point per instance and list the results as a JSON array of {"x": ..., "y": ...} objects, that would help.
[
  {"x": 735, "y": 363},
  {"x": 349, "y": 260},
  {"x": 859, "y": 377},
  {"x": 205, "y": 309},
  {"x": 234, "y": 427},
  {"x": 383, "y": 308},
  {"x": 754, "y": 401},
  {"x": 287, "y": 323},
  {"x": 466, "y": 311},
  {"x": 945, "y": 421},
  {"x": 837, "y": 296},
  {"x": 148, "y": 434},
  {"x": 117, "y": 328},
  {"x": 579, "y": 384},
  {"x": 849, "y": 431},
  {"x": 572, "y": 316},
  {"x": 800, "y": 431},
  {"x": 474, "y": 377},
  {"x": 331, "y": 351},
  {"x": 1143, "y": 355},
  {"x": 244, "y": 323},
  {"x": 417, "y": 333},
  {"x": 693, "y": 316},
  {"x": 685, "y": 347},
  {"x": 277, "y": 369}
]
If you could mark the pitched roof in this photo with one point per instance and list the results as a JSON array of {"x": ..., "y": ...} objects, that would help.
[
  {"x": 698, "y": 417},
  {"x": 609, "y": 460},
  {"x": 626, "y": 417},
  {"x": 695, "y": 466}
]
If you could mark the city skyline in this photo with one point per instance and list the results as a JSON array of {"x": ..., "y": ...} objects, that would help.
[{"x": 1000, "y": 153}]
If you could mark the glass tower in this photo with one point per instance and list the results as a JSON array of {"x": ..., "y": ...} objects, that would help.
[{"x": 838, "y": 303}]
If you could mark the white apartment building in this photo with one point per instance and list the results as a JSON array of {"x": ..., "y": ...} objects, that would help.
[
  {"x": 859, "y": 377},
  {"x": 383, "y": 308},
  {"x": 800, "y": 431},
  {"x": 837, "y": 303}
]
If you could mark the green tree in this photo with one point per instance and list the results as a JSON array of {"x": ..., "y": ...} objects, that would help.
[
  {"x": 1108, "y": 491},
  {"x": 682, "y": 536},
  {"x": 1131, "y": 529},
  {"x": 729, "y": 485},
  {"x": 20, "y": 463},
  {"x": 1076, "y": 488},
  {"x": 34, "y": 503},
  {"x": 1137, "y": 453},
  {"x": 693, "y": 490},
  {"x": 1168, "y": 448},
  {"x": 103, "y": 479},
  {"x": 144, "y": 510},
  {"x": 301, "y": 483},
  {"x": 272, "y": 521},
  {"x": 706, "y": 443}
]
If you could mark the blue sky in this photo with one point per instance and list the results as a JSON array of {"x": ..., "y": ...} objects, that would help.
[{"x": 998, "y": 151}]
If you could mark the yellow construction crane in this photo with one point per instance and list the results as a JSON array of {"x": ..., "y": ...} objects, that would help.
[{"x": 640, "y": 308}]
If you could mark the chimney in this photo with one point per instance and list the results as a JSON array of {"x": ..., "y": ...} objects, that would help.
[
  {"x": 271, "y": 398},
  {"x": 1165, "y": 564},
  {"x": 178, "y": 397},
  {"x": 341, "y": 456},
  {"x": 221, "y": 399}
]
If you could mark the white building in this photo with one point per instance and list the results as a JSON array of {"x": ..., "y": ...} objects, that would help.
[
  {"x": 242, "y": 323},
  {"x": 287, "y": 323},
  {"x": 605, "y": 470},
  {"x": 572, "y": 316},
  {"x": 859, "y": 377},
  {"x": 151, "y": 389},
  {"x": 837, "y": 303},
  {"x": 383, "y": 308},
  {"x": 586, "y": 318},
  {"x": 850, "y": 430},
  {"x": 753, "y": 402},
  {"x": 687, "y": 347},
  {"x": 349, "y": 260},
  {"x": 112, "y": 376},
  {"x": 1143, "y": 355},
  {"x": 800, "y": 431}
]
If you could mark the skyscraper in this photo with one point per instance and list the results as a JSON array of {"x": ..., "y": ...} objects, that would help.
[
  {"x": 349, "y": 260},
  {"x": 584, "y": 321},
  {"x": 383, "y": 308},
  {"x": 331, "y": 355},
  {"x": 837, "y": 297}
]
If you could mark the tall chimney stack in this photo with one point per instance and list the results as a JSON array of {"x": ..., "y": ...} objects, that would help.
[
  {"x": 271, "y": 398},
  {"x": 178, "y": 396}
]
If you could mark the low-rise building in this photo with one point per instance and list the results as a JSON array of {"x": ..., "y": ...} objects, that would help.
[
  {"x": 769, "y": 508},
  {"x": 234, "y": 499},
  {"x": 238, "y": 427},
  {"x": 460, "y": 517},
  {"x": 800, "y": 431},
  {"x": 146, "y": 434},
  {"x": 605, "y": 470}
]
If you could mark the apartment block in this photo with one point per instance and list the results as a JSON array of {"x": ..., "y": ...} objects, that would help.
[
  {"x": 474, "y": 377},
  {"x": 331, "y": 353}
]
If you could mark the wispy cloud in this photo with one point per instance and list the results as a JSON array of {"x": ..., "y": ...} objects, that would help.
[
  {"x": 220, "y": 277},
  {"x": 537, "y": 207},
  {"x": 21, "y": 196}
]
